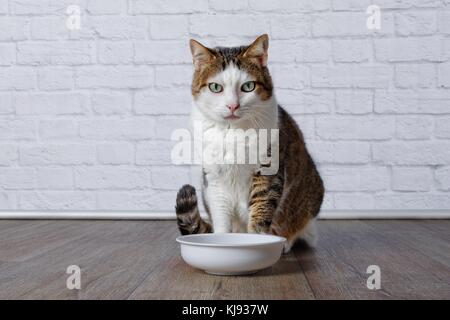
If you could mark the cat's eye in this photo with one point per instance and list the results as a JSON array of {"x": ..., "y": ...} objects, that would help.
[
  {"x": 248, "y": 86},
  {"x": 215, "y": 87}
]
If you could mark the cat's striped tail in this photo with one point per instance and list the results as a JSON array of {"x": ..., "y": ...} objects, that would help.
[{"x": 188, "y": 216}]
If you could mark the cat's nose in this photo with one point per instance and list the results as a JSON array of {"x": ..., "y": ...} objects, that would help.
[{"x": 233, "y": 107}]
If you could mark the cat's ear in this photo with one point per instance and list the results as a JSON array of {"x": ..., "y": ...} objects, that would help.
[
  {"x": 200, "y": 54},
  {"x": 258, "y": 50}
]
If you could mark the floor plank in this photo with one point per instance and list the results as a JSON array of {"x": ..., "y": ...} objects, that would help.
[
  {"x": 336, "y": 269},
  {"x": 141, "y": 260}
]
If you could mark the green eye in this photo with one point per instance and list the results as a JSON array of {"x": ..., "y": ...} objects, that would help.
[
  {"x": 248, "y": 86},
  {"x": 215, "y": 87}
]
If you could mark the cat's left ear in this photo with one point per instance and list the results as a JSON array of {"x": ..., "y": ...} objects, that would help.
[{"x": 258, "y": 50}]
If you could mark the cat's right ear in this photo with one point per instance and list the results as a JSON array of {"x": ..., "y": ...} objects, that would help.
[{"x": 200, "y": 54}]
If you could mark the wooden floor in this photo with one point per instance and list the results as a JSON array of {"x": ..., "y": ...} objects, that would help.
[{"x": 141, "y": 260}]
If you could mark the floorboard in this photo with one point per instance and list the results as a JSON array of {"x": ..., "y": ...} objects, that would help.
[{"x": 141, "y": 260}]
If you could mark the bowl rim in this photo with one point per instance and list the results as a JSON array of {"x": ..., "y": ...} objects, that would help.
[{"x": 277, "y": 239}]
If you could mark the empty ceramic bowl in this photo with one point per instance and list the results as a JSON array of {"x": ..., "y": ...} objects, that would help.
[{"x": 231, "y": 253}]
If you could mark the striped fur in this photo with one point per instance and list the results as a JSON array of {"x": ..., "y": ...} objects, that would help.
[{"x": 188, "y": 216}]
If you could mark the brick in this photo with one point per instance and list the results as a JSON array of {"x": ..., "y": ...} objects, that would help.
[
  {"x": 101, "y": 7},
  {"x": 164, "y": 7},
  {"x": 49, "y": 28},
  {"x": 150, "y": 102},
  {"x": 13, "y": 28},
  {"x": 17, "y": 129},
  {"x": 115, "y": 52},
  {"x": 415, "y": 23},
  {"x": 156, "y": 201},
  {"x": 64, "y": 154},
  {"x": 119, "y": 27},
  {"x": 162, "y": 52},
  {"x": 355, "y": 178},
  {"x": 351, "y": 50},
  {"x": 129, "y": 129},
  {"x": 307, "y": 126},
  {"x": 170, "y": 178},
  {"x": 354, "y": 102},
  {"x": 355, "y": 128},
  {"x": 411, "y": 179},
  {"x": 444, "y": 21},
  {"x": 412, "y": 153},
  {"x": 114, "y": 77},
  {"x": 8, "y": 200},
  {"x": 58, "y": 129},
  {"x": 412, "y": 102},
  {"x": 410, "y": 76},
  {"x": 110, "y": 102},
  {"x": 55, "y": 53},
  {"x": 227, "y": 25},
  {"x": 290, "y": 76},
  {"x": 113, "y": 200},
  {"x": 414, "y": 128},
  {"x": 306, "y": 102},
  {"x": 412, "y": 201},
  {"x": 115, "y": 153},
  {"x": 8, "y": 155},
  {"x": 348, "y": 24},
  {"x": 17, "y": 78},
  {"x": 289, "y": 26},
  {"x": 350, "y": 5},
  {"x": 299, "y": 51},
  {"x": 353, "y": 201},
  {"x": 3, "y": 6},
  {"x": 154, "y": 153},
  {"x": 55, "y": 78},
  {"x": 444, "y": 75},
  {"x": 328, "y": 201},
  {"x": 29, "y": 7},
  {"x": 165, "y": 125},
  {"x": 442, "y": 177},
  {"x": 408, "y": 49},
  {"x": 169, "y": 27},
  {"x": 350, "y": 76},
  {"x": 404, "y": 4},
  {"x": 7, "y": 54},
  {"x": 54, "y": 103},
  {"x": 57, "y": 200},
  {"x": 288, "y": 5},
  {"x": 230, "y": 5},
  {"x": 168, "y": 76},
  {"x": 112, "y": 178},
  {"x": 6, "y": 104},
  {"x": 54, "y": 178},
  {"x": 442, "y": 127},
  {"x": 340, "y": 152},
  {"x": 17, "y": 178}
]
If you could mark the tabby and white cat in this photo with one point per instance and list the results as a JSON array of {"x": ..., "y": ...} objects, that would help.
[{"x": 232, "y": 88}]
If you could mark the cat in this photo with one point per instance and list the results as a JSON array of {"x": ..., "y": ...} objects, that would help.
[{"x": 232, "y": 88}]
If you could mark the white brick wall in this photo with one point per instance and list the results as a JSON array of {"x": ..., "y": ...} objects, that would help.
[{"x": 86, "y": 115}]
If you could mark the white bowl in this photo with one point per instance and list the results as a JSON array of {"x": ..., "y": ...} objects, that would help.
[{"x": 231, "y": 253}]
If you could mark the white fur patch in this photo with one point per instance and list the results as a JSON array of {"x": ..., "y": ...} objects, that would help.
[{"x": 228, "y": 188}]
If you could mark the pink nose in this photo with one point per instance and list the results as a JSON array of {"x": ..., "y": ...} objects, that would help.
[{"x": 233, "y": 107}]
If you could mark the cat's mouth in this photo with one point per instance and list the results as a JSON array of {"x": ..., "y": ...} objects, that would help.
[{"x": 232, "y": 117}]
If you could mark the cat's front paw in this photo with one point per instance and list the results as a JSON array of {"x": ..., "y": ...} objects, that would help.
[{"x": 261, "y": 228}]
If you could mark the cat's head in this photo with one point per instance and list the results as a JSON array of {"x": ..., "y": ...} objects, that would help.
[{"x": 231, "y": 84}]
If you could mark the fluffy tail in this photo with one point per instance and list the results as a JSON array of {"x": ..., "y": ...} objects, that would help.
[{"x": 188, "y": 216}]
